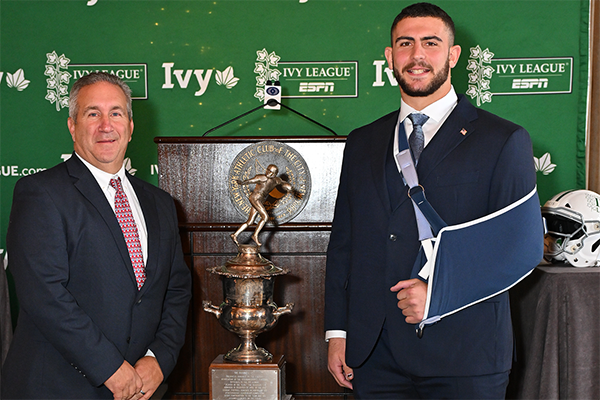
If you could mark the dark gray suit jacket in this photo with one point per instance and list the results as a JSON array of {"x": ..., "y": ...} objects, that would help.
[
  {"x": 476, "y": 164},
  {"x": 81, "y": 314}
]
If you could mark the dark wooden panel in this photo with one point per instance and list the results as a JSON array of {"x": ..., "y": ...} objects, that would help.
[
  {"x": 196, "y": 175},
  {"x": 273, "y": 242}
]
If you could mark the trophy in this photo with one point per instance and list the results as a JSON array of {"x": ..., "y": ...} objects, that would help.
[{"x": 248, "y": 308}]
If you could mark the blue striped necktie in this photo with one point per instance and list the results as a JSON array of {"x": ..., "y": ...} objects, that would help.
[{"x": 416, "y": 139}]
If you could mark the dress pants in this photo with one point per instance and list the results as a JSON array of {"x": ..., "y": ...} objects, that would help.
[{"x": 380, "y": 377}]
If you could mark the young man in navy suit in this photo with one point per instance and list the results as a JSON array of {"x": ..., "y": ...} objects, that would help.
[
  {"x": 471, "y": 164},
  {"x": 91, "y": 326}
]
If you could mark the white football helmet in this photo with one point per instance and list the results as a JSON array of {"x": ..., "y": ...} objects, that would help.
[{"x": 573, "y": 223}]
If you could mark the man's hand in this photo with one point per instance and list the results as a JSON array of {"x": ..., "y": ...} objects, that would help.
[
  {"x": 412, "y": 295},
  {"x": 336, "y": 362},
  {"x": 151, "y": 374},
  {"x": 125, "y": 383}
]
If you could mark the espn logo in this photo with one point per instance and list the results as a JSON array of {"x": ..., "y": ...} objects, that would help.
[
  {"x": 530, "y": 83},
  {"x": 307, "y": 87}
]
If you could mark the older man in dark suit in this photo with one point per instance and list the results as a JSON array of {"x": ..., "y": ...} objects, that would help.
[
  {"x": 470, "y": 163},
  {"x": 98, "y": 267}
]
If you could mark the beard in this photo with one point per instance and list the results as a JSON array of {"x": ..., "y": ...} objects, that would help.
[{"x": 438, "y": 80}]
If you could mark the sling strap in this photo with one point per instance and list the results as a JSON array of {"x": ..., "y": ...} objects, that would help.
[{"x": 428, "y": 221}]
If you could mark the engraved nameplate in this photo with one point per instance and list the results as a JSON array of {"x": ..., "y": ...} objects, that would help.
[
  {"x": 245, "y": 384},
  {"x": 236, "y": 381}
]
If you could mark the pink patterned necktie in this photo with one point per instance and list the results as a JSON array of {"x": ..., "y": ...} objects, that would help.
[{"x": 130, "y": 232}]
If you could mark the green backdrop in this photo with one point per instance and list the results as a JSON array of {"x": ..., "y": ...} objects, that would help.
[{"x": 195, "y": 64}]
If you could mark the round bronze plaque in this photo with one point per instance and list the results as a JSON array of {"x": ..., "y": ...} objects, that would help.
[{"x": 282, "y": 206}]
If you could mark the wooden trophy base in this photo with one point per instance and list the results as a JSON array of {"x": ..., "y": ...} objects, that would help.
[{"x": 235, "y": 381}]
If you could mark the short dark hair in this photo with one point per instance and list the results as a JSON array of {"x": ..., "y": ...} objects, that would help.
[
  {"x": 91, "y": 79},
  {"x": 419, "y": 10}
]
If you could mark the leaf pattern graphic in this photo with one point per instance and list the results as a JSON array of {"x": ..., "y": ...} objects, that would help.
[
  {"x": 544, "y": 164},
  {"x": 63, "y": 61},
  {"x": 486, "y": 97},
  {"x": 262, "y": 55},
  {"x": 128, "y": 167},
  {"x": 226, "y": 78},
  {"x": 17, "y": 80},
  {"x": 51, "y": 96},
  {"x": 259, "y": 68},
  {"x": 487, "y": 72},
  {"x": 480, "y": 73},
  {"x": 472, "y": 66},
  {"x": 475, "y": 51},
  {"x": 472, "y": 91},
  {"x": 57, "y": 80},
  {"x": 261, "y": 80},
  {"x": 264, "y": 68},
  {"x": 51, "y": 82},
  {"x": 273, "y": 59},
  {"x": 487, "y": 56},
  {"x": 274, "y": 75},
  {"x": 260, "y": 93},
  {"x": 65, "y": 77},
  {"x": 51, "y": 58}
]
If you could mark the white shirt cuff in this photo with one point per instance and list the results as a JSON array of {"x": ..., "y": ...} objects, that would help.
[{"x": 334, "y": 334}]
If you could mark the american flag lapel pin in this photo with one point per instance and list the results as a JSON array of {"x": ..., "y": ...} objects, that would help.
[{"x": 463, "y": 131}]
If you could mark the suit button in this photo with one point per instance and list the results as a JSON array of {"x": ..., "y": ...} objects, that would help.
[
  {"x": 129, "y": 339},
  {"x": 393, "y": 237}
]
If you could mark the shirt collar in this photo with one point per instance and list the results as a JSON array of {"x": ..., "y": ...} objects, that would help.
[
  {"x": 435, "y": 111},
  {"x": 102, "y": 177}
]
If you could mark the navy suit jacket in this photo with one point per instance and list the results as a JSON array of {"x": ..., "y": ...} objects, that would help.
[
  {"x": 476, "y": 164},
  {"x": 81, "y": 314}
]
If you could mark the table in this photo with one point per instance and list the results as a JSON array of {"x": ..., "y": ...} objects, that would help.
[{"x": 556, "y": 314}]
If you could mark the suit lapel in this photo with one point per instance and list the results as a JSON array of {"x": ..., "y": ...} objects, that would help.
[
  {"x": 382, "y": 140},
  {"x": 87, "y": 185},
  {"x": 457, "y": 128}
]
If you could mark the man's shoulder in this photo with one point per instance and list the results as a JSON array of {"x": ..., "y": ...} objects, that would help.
[
  {"x": 50, "y": 176},
  {"x": 488, "y": 118},
  {"x": 374, "y": 131},
  {"x": 479, "y": 116}
]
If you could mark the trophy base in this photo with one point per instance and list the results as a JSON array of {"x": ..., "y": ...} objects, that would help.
[
  {"x": 248, "y": 355},
  {"x": 229, "y": 381}
]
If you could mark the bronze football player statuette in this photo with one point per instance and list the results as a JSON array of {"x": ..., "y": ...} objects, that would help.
[{"x": 265, "y": 183}]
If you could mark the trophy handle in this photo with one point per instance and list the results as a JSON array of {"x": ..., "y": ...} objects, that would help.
[
  {"x": 283, "y": 310},
  {"x": 209, "y": 307}
]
